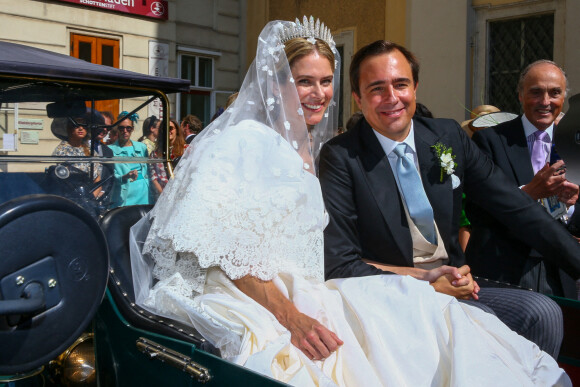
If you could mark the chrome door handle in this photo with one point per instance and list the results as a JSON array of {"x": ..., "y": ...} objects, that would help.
[{"x": 174, "y": 359}]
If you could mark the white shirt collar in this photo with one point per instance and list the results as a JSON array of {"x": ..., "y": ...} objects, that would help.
[
  {"x": 529, "y": 128},
  {"x": 389, "y": 145}
]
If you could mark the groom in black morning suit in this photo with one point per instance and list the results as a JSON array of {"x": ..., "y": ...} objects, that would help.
[{"x": 374, "y": 230}]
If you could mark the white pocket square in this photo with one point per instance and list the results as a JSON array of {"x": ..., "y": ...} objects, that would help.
[{"x": 455, "y": 182}]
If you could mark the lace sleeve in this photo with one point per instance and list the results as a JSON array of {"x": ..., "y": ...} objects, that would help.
[{"x": 244, "y": 204}]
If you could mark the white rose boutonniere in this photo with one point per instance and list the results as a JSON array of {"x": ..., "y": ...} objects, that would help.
[{"x": 446, "y": 159}]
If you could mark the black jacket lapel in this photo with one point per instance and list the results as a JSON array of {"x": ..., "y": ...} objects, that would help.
[
  {"x": 516, "y": 148},
  {"x": 382, "y": 184},
  {"x": 439, "y": 193}
]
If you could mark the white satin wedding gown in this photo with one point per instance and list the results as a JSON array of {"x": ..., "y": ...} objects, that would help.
[{"x": 245, "y": 205}]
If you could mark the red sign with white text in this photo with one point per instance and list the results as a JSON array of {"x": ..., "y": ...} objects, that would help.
[{"x": 150, "y": 8}]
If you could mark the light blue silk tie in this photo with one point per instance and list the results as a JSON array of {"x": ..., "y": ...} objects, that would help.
[{"x": 414, "y": 194}]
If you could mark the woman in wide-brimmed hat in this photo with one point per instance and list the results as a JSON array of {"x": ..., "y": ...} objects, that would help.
[{"x": 75, "y": 141}]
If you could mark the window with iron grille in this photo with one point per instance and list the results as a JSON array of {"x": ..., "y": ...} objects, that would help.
[{"x": 514, "y": 44}]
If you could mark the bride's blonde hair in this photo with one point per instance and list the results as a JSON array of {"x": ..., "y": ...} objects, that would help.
[{"x": 298, "y": 47}]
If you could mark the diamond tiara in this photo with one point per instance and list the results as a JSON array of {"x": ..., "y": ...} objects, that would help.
[{"x": 308, "y": 29}]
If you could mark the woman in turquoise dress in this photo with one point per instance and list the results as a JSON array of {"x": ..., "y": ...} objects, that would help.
[{"x": 132, "y": 183}]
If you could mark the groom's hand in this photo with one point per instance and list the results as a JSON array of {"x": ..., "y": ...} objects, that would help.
[
  {"x": 466, "y": 271},
  {"x": 456, "y": 282}
]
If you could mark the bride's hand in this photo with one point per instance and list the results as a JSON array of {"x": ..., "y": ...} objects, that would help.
[
  {"x": 314, "y": 339},
  {"x": 307, "y": 334}
]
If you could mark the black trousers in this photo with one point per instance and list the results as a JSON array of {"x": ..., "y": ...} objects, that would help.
[{"x": 532, "y": 315}]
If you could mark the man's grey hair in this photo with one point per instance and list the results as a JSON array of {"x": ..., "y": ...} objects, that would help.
[{"x": 541, "y": 61}]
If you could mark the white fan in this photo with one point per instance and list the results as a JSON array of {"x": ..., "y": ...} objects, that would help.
[{"x": 492, "y": 119}]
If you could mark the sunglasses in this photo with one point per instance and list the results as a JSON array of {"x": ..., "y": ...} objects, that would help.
[{"x": 123, "y": 128}]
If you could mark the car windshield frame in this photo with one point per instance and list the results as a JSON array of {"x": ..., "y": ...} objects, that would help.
[{"x": 34, "y": 77}]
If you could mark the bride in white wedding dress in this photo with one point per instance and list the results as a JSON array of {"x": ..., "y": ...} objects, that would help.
[{"x": 234, "y": 246}]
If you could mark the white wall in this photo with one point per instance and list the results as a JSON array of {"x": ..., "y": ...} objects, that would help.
[{"x": 436, "y": 34}]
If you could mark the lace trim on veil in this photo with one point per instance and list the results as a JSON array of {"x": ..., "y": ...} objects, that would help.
[{"x": 229, "y": 211}]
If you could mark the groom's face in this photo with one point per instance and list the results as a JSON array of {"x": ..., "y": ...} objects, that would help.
[{"x": 387, "y": 94}]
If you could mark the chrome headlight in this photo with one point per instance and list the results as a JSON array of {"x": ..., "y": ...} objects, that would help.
[{"x": 76, "y": 366}]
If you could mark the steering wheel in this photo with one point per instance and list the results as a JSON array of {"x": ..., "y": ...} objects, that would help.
[{"x": 72, "y": 183}]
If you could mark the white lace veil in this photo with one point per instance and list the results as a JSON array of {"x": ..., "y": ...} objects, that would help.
[
  {"x": 263, "y": 97},
  {"x": 268, "y": 98}
]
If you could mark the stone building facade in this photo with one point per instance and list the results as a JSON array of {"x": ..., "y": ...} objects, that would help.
[
  {"x": 195, "y": 39},
  {"x": 470, "y": 51}
]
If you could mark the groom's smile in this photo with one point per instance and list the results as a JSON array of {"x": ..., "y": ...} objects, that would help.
[{"x": 387, "y": 94}]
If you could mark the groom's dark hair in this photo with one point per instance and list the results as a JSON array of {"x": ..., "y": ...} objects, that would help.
[{"x": 377, "y": 48}]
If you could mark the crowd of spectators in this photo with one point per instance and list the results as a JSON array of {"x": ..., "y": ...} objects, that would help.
[{"x": 127, "y": 183}]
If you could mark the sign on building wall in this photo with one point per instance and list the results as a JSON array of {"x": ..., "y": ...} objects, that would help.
[
  {"x": 30, "y": 123},
  {"x": 159, "y": 67},
  {"x": 150, "y": 8},
  {"x": 158, "y": 59}
]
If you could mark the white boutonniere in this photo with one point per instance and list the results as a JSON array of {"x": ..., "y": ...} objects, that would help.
[{"x": 446, "y": 159}]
